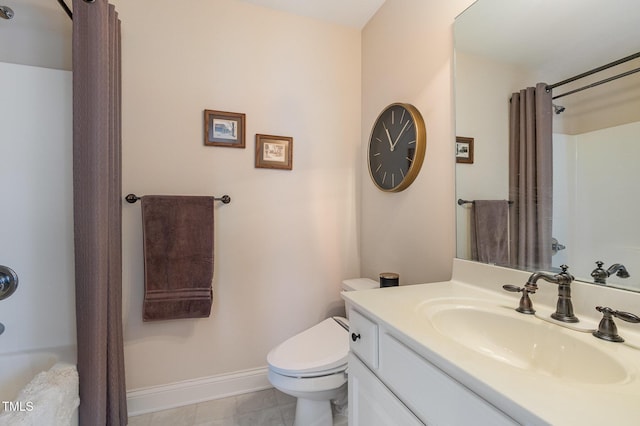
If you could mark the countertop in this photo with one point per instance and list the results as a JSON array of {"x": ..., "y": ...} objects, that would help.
[{"x": 530, "y": 397}]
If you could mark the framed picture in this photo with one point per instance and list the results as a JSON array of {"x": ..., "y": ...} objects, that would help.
[
  {"x": 224, "y": 128},
  {"x": 274, "y": 152},
  {"x": 464, "y": 150}
]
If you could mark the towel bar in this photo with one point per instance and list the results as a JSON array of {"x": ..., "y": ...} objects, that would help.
[
  {"x": 132, "y": 198},
  {"x": 461, "y": 202}
]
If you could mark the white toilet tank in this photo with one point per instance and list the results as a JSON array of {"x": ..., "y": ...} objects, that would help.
[{"x": 357, "y": 284}]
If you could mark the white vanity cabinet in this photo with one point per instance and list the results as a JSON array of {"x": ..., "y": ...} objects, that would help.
[
  {"x": 392, "y": 385},
  {"x": 456, "y": 353},
  {"x": 371, "y": 403}
]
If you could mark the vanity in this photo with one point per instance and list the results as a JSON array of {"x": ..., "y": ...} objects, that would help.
[{"x": 457, "y": 353}]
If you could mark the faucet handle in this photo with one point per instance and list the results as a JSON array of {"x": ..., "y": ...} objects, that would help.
[
  {"x": 607, "y": 329},
  {"x": 626, "y": 316},
  {"x": 525, "y": 306},
  {"x": 515, "y": 289},
  {"x": 599, "y": 275},
  {"x": 566, "y": 276}
]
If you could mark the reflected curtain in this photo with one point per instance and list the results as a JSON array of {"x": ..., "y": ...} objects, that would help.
[
  {"x": 97, "y": 212},
  {"x": 531, "y": 177}
]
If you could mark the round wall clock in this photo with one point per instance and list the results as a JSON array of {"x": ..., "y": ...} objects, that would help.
[{"x": 396, "y": 147}]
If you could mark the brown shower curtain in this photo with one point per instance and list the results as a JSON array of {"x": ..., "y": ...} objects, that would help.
[
  {"x": 97, "y": 212},
  {"x": 531, "y": 178}
]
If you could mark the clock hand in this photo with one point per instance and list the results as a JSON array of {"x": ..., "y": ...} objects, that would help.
[
  {"x": 391, "y": 145},
  {"x": 400, "y": 134}
]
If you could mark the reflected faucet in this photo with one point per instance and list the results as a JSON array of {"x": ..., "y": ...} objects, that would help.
[
  {"x": 564, "y": 307},
  {"x": 600, "y": 275}
]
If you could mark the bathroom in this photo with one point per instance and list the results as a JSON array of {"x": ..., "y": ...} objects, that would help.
[{"x": 290, "y": 75}]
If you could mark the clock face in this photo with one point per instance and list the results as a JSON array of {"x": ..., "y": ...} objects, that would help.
[{"x": 396, "y": 147}]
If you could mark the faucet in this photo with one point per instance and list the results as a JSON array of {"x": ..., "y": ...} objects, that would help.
[
  {"x": 8, "y": 282},
  {"x": 564, "y": 307},
  {"x": 600, "y": 275}
]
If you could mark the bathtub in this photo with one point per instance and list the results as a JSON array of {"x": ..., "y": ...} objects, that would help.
[{"x": 39, "y": 388}]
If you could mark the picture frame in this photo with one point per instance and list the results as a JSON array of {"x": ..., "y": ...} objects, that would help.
[
  {"x": 464, "y": 150},
  {"x": 274, "y": 152},
  {"x": 223, "y": 128}
]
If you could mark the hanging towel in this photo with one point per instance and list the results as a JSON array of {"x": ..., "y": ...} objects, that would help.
[
  {"x": 490, "y": 231},
  {"x": 178, "y": 257}
]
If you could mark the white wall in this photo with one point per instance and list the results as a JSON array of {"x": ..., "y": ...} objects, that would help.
[
  {"x": 39, "y": 34},
  {"x": 407, "y": 56},
  {"x": 36, "y": 218},
  {"x": 288, "y": 238},
  {"x": 604, "y": 202},
  {"x": 564, "y": 175}
]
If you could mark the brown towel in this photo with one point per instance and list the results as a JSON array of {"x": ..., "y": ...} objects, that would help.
[
  {"x": 178, "y": 257},
  {"x": 490, "y": 231}
]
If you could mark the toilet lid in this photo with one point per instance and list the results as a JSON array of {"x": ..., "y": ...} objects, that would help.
[{"x": 322, "y": 348}]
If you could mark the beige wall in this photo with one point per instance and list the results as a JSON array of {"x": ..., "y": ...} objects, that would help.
[
  {"x": 288, "y": 238},
  {"x": 483, "y": 88},
  {"x": 407, "y": 57}
]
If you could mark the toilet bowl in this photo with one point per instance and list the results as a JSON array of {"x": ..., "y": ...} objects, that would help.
[{"x": 311, "y": 365}]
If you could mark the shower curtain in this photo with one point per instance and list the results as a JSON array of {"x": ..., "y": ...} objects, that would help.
[
  {"x": 97, "y": 212},
  {"x": 531, "y": 178}
]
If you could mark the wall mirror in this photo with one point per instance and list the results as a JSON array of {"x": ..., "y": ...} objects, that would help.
[{"x": 503, "y": 47}]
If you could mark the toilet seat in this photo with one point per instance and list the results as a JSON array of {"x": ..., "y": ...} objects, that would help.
[{"x": 318, "y": 351}]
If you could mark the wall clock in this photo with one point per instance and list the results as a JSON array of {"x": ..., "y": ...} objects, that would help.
[{"x": 396, "y": 147}]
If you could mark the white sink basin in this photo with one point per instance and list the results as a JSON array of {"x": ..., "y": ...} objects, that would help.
[{"x": 523, "y": 341}]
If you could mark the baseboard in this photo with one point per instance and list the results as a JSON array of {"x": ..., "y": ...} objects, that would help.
[{"x": 157, "y": 398}]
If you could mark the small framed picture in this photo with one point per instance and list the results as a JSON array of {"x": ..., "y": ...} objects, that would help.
[
  {"x": 224, "y": 128},
  {"x": 274, "y": 152},
  {"x": 464, "y": 150}
]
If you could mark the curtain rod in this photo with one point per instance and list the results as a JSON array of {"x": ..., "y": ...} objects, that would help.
[
  {"x": 593, "y": 71},
  {"x": 598, "y": 83},
  {"x": 66, "y": 8}
]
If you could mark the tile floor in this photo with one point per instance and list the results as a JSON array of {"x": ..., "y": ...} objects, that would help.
[{"x": 263, "y": 408}]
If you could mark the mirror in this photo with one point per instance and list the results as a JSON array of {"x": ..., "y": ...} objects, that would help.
[{"x": 502, "y": 47}]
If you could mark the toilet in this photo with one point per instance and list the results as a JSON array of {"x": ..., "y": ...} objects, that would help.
[{"x": 311, "y": 365}]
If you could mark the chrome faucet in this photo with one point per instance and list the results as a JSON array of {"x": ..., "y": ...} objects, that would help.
[
  {"x": 564, "y": 307},
  {"x": 600, "y": 275},
  {"x": 8, "y": 282}
]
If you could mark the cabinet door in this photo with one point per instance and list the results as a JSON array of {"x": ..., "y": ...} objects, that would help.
[
  {"x": 363, "y": 338},
  {"x": 371, "y": 403},
  {"x": 432, "y": 395}
]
